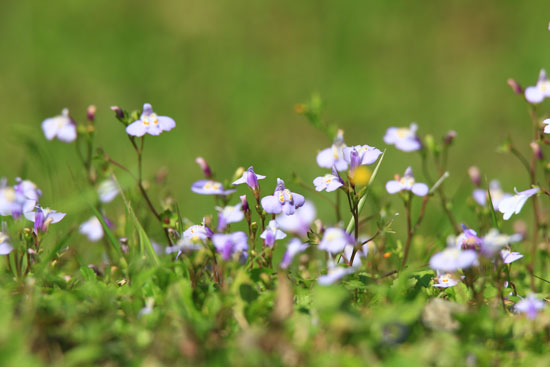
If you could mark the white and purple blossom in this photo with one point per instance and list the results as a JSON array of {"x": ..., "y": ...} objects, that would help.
[
  {"x": 536, "y": 94},
  {"x": 14, "y": 202},
  {"x": 446, "y": 280},
  {"x": 150, "y": 123},
  {"x": 494, "y": 241},
  {"x": 497, "y": 195},
  {"x": 198, "y": 232},
  {"x": 92, "y": 229},
  {"x": 62, "y": 127},
  {"x": 335, "y": 240},
  {"x": 328, "y": 182},
  {"x": 298, "y": 223},
  {"x": 107, "y": 190},
  {"x": 28, "y": 189},
  {"x": 209, "y": 187},
  {"x": 334, "y": 273},
  {"x": 229, "y": 244},
  {"x": 5, "y": 246},
  {"x": 530, "y": 306},
  {"x": 452, "y": 259},
  {"x": 403, "y": 138},
  {"x": 334, "y": 155},
  {"x": 229, "y": 214},
  {"x": 468, "y": 239},
  {"x": 295, "y": 246},
  {"x": 407, "y": 183},
  {"x": 509, "y": 257},
  {"x": 184, "y": 244},
  {"x": 250, "y": 178},
  {"x": 43, "y": 217},
  {"x": 272, "y": 233},
  {"x": 512, "y": 205},
  {"x": 361, "y": 155},
  {"x": 282, "y": 200}
]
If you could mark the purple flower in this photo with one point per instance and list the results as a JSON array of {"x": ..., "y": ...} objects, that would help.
[
  {"x": 334, "y": 273},
  {"x": 451, "y": 259},
  {"x": 14, "y": 202},
  {"x": 530, "y": 306},
  {"x": 204, "y": 167},
  {"x": 335, "y": 240},
  {"x": 509, "y": 256},
  {"x": 28, "y": 189},
  {"x": 328, "y": 182},
  {"x": 197, "y": 232},
  {"x": 299, "y": 222},
  {"x": 209, "y": 187},
  {"x": 497, "y": 195},
  {"x": 540, "y": 91},
  {"x": 361, "y": 155},
  {"x": 250, "y": 178},
  {"x": 547, "y": 127},
  {"x": 295, "y": 246},
  {"x": 446, "y": 280},
  {"x": 5, "y": 246},
  {"x": 150, "y": 123},
  {"x": 403, "y": 138},
  {"x": 407, "y": 183},
  {"x": 513, "y": 205},
  {"x": 62, "y": 127},
  {"x": 468, "y": 239},
  {"x": 229, "y": 214},
  {"x": 334, "y": 156},
  {"x": 43, "y": 217},
  {"x": 282, "y": 200},
  {"x": 92, "y": 229},
  {"x": 272, "y": 233},
  {"x": 107, "y": 190},
  {"x": 229, "y": 244}
]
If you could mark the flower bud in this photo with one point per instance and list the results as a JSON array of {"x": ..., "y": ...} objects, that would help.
[
  {"x": 204, "y": 167},
  {"x": 475, "y": 175},
  {"x": 449, "y": 137},
  {"x": 118, "y": 112},
  {"x": 244, "y": 203},
  {"x": 515, "y": 86},
  {"x": 536, "y": 150},
  {"x": 91, "y": 113},
  {"x": 430, "y": 142}
]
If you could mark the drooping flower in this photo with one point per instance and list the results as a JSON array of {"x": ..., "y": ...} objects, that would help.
[
  {"x": 335, "y": 240},
  {"x": 334, "y": 273},
  {"x": 62, "y": 127},
  {"x": 282, "y": 200},
  {"x": 43, "y": 217},
  {"x": 209, "y": 187},
  {"x": 536, "y": 94},
  {"x": 407, "y": 183},
  {"x": 92, "y": 229},
  {"x": 547, "y": 127},
  {"x": 150, "y": 123},
  {"x": 198, "y": 232},
  {"x": 513, "y": 205},
  {"x": 334, "y": 155},
  {"x": 272, "y": 233},
  {"x": 295, "y": 246},
  {"x": 509, "y": 257},
  {"x": 328, "y": 182},
  {"x": 530, "y": 306},
  {"x": 5, "y": 246},
  {"x": 446, "y": 280},
  {"x": 300, "y": 221},
  {"x": 107, "y": 190},
  {"x": 361, "y": 155},
  {"x": 403, "y": 138},
  {"x": 229, "y": 214},
  {"x": 229, "y": 244},
  {"x": 452, "y": 259},
  {"x": 494, "y": 241},
  {"x": 497, "y": 195},
  {"x": 250, "y": 178}
]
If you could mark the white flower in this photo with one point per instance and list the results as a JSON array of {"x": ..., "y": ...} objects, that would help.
[
  {"x": 107, "y": 190},
  {"x": 92, "y": 229},
  {"x": 513, "y": 205},
  {"x": 62, "y": 127}
]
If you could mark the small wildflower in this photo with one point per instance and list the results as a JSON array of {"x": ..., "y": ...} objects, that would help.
[
  {"x": 43, "y": 217},
  {"x": 209, "y": 187},
  {"x": 335, "y": 240},
  {"x": 509, "y": 257},
  {"x": 14, "y": 202},
  {"x": 328, "y": 182},
  {"x": 494, "y": 241},
  {"x": 107, "y": 190},
  {"x": 361, "y": 155},
  {"x": 334, "y": 273},
  {"x": 295, "y": 246},
  {"x": 184, "y": 244},
  {"x": 62, "y": 127},
  {"x": 407, "y": 183},
  {"x": 497, "y": 195},
  {"x": 5, "y": 246},
  {"x": 468, "y": 239},
  {"x": 299, "y": 223},
  {"x": 197, "y": 232},
  {"x": 513, "y": 205},
  {"x": 452, "y": 259},
  {"x": 348, "y": 252},
  {"x": 446, "y": 280},
  {"x": 403, "y": 138},
  {"x": 150, "y": 123},
  {"x": 28, "y": 189},
  {"x": 250, "y": 178},
  {"x": 540, "y": 91},
  {"x": 228, "y": 244},
  {"x": 282, "y": 200},
  {"x": 92, "y": 229},
  {"x": 272, "y": 233},
  {"x": 229, "y": 214},
  {"x": 334, "y": 156},
  {"x": 529, "y": 306}
]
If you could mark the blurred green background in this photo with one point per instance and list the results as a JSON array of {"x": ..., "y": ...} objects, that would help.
[{"x": 229, "y": 73}]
